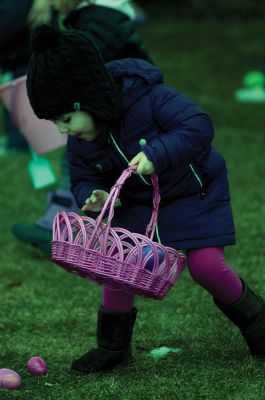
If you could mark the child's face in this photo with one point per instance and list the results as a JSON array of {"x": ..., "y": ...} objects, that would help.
[{"x": 78, "y": 123}]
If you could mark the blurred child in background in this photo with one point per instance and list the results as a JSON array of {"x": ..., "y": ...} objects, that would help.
[{"x": 17, "y": 17}]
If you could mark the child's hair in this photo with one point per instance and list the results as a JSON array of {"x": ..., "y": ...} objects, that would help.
[
  {"x": 67, "y": 73},
  {"x": 102, "y": 126}
]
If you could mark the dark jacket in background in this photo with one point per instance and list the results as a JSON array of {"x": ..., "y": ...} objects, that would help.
[
  {"x": 195, "y": 202},
  {"x": 112, "y": 31},
  {"x": 14, "y": 36}
]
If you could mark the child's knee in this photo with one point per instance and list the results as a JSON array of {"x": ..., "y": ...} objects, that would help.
[{"x": 203, "y": 263}]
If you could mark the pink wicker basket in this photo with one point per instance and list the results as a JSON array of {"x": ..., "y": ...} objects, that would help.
[{"x": 113, "y": 256}]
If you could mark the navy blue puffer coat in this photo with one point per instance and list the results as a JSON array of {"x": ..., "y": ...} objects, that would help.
[{"x": 176, "y": 136}]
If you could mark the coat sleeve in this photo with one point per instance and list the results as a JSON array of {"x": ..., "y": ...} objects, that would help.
[
  {"x": 84, "y": 176},
  {"x": 185, "y": 131}
]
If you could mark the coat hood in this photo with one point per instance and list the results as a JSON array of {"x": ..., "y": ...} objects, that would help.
[{"x": 137, "y": 77}]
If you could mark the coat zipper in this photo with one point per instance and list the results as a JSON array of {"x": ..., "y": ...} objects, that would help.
[
  {"x": 140, "y": 176},
  {"x": 198, "y": 179},
  {"x": 126, "y": 159}
]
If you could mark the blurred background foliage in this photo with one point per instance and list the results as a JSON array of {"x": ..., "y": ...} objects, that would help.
[{"x": 207, "y": 9}]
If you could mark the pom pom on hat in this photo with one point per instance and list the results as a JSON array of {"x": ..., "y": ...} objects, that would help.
[
  {"x": 67, "y": 68},
  {"x": 44, "y": 37}
]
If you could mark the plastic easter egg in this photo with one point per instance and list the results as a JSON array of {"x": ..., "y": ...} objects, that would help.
[
  {"x": 150, "y": 263},
  {"x": 9, "y": 379},
  {"x": 37, "y": 366}
]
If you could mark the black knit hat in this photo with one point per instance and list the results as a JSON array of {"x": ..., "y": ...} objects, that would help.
[{"x": 67, "y": 73}]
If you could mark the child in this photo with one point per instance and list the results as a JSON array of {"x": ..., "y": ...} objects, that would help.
[
  {"x": 121, "y": 114},
  {"x": 109, "y": 25},
  {"x": 17, "y": 17}
]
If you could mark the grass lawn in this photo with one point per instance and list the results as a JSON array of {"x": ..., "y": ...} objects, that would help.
[{"x": 47, "y": 312}]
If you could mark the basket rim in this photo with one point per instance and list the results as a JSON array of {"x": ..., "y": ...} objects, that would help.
[
  {"x": 100, "y": 256},
  {"x": 81, "y": 246}
]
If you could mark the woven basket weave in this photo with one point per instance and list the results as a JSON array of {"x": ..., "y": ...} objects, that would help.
[{"x": 113, "y": 256}]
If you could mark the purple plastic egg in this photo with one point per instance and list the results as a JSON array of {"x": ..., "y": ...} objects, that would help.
[
  {"x": 37, "y": 366},
  {"x": 9, "y": 379}
]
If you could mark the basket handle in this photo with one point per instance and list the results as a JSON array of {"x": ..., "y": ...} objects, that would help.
[{"x": 113, "y": 195}]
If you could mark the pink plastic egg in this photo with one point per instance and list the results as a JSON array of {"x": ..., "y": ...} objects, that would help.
[
  {"x": 9, "y": 379},
  {"x": 37, "y": 366}
]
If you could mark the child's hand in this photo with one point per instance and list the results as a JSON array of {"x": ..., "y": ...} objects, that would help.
[
  {"x": 145, "y": 166},
  {"x": 97, "y": 200},
  {"x": 39, "y": 13},
  {"x": 63, "y": 6}
]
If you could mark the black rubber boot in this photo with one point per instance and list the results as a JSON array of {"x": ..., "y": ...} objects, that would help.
[
  {"x": 34, "y": 235},
  {"x": 39, "y": 234},
  {"x": 114, "y": 332},
  {"x": 248, "y": 313}
]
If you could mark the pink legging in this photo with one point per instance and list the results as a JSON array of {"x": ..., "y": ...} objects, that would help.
[{"x": 207, "y": 267}]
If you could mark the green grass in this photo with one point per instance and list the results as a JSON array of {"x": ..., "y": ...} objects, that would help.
[{"x": 47, "y": 312}]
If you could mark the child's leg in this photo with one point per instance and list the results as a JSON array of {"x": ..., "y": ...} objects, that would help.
[
  {"x": 231, "y": 295},
  {"x": 208, "y": 268},
  {"x": 117, "y": 300},
  {"x": 116, "y": 318}
]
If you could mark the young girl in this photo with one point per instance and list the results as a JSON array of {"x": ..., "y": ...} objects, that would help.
[
  {"x": 122, "y": 114},
  {"x": 109, "y": 24}
]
